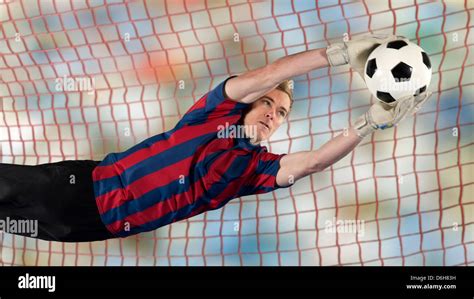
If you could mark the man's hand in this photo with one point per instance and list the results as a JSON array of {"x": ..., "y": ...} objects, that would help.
[
  {"x": 381, "y": 116},
  {"x": 357, "y": 50}
]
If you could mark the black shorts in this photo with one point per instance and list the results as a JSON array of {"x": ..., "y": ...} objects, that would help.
[{"x": 59, "y": 196}]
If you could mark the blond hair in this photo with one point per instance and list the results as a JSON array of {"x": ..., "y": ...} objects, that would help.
[{"x": 287, "y": 87}]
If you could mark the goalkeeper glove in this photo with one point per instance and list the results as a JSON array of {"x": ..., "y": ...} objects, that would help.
[
  {"x": 357, "y": 50},
  {"x": 382, "y": 116}
]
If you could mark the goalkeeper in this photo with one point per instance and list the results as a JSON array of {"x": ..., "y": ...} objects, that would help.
[{"x": 192, "y": 168}]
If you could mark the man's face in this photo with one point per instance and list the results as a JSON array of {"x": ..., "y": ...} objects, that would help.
[{"x": 267, "y": 114}]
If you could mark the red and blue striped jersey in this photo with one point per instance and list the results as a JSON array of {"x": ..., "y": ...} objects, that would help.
[{"x": 183, "y": 172}]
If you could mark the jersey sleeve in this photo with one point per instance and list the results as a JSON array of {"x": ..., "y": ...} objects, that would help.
[
  {"x": 214, "y": 106},
  {"x": 264, "y": 178}
]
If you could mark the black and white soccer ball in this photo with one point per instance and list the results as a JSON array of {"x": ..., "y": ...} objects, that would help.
[{"x": 397, "y": 69}]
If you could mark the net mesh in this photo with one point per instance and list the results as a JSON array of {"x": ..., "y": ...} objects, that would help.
[{"x": 80, "y": 79}]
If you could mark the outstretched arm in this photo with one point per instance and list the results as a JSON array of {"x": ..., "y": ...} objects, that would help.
[
  {"x": 379, "y": 116},
  {"x": 250, "y": 86},
  {"x": 298, "y": 165}
]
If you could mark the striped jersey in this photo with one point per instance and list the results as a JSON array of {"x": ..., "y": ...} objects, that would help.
[{"x": 183, "y": 172}]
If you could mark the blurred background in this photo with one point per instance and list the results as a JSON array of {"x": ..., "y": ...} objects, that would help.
[{"x": 147, "y": 62}]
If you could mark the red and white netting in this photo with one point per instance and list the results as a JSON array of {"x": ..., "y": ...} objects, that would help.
[{"x": 137, "y": 67}]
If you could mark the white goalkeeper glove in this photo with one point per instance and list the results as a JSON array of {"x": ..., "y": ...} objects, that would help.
[
  {"x": 357, "y": 50},
  {"x": 382, "y": 116}
]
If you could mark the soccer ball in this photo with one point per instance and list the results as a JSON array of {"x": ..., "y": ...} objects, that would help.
[{"x": 397, "y": 69}]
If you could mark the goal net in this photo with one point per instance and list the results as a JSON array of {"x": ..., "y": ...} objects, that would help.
[{"x": 81, "y": 79}]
